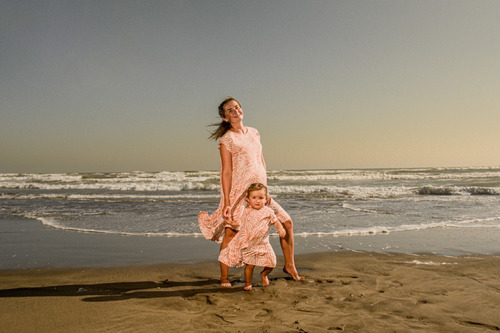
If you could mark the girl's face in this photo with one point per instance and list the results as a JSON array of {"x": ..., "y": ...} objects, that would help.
[
  {"x": 257, "y": 199},
  {"x": 233, "y": 112}
]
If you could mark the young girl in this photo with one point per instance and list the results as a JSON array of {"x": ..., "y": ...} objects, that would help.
[{"x": 251, "y": 245}]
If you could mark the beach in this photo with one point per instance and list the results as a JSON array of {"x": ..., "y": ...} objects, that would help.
[
  {"x": 99, "y": 283},
  {"x": 345, "y": 291}
]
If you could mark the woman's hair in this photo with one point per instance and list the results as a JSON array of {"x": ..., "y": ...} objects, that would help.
[
  {"x": 256, "y": 187},
  {"x": 223, "y": 126}
]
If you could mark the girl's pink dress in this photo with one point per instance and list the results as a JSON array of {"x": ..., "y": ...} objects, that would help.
[
  {"x": 251, "y": 244},
  {"x": 247, "y": 168}
]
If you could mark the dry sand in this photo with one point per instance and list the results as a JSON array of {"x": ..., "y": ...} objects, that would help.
[{"x": 350, "y": 292}]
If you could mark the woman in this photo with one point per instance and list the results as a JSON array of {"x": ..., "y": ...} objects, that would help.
[{"x": 242, "y": 163}]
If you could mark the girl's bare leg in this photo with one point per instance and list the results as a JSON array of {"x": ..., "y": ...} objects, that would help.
[
  {"x": 248, "y": 277},
  {"x": 224, "y": 269},
  {"x": 265, "y": 272},
  {"x": 287, "y": 245}
]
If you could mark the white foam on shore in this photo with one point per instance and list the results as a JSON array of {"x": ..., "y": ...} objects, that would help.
[
  {"x": 376, "y": 230},
  {"x": 57, "y": 225},
  {"x": 432, "y": 263}
]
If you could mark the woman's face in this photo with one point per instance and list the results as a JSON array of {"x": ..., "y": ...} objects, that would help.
[
  {"x": 257, "y": 199},
  {"x": 233, "y": 112}
]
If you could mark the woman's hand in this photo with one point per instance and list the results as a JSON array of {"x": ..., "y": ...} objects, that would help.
[{"x": 226, "y": 213}]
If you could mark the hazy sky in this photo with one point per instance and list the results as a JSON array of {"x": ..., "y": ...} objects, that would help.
[{"x": 132, "y": 85}]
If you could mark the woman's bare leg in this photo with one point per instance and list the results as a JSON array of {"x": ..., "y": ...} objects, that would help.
[
  {"x": 224, "y": 269},
  {"x": 287, "y": 245},
  {"x": 248, "y": 277},
  {"x": 265, "y": 272}
]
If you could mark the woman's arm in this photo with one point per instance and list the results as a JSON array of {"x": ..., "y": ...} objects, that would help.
[
  {"x": 226, "y": 175},
  {"x": 263, "y": 162},
  {"x": 268, "y": 199}
]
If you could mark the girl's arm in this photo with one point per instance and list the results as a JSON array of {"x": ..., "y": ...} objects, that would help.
[
  {"x": 281, "y": 229},
  {"x": 226, "y": 178}
]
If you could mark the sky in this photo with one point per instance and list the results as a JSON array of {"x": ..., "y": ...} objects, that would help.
[{"x": 101, "y": 86}]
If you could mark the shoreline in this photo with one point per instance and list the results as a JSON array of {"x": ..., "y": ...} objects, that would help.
[{"x": 27, "y": 244}]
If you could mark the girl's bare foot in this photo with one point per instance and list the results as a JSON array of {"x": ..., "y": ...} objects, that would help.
[
  {"x": 265, "y": 280},
  {"x": 224, "y": 283},
  {"x": 247, "y": 287},
  {"x": 293, "y": 272}
]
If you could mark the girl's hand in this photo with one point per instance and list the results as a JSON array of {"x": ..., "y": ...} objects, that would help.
[
  {"x": 268, "y": 200},
  {"x": 282, "y": 232}
]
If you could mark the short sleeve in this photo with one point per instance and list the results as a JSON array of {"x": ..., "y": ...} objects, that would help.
[
  {"x": 272, "y": 217},
  {"x": 226, "y": 141}
]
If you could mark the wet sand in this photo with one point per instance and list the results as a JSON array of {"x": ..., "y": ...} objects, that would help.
[{"x": 26, "y": 244}]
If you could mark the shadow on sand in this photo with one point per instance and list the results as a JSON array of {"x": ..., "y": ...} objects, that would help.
[
  {"x": 118, "y": 291},
  {"x": 121, "y": 290}
]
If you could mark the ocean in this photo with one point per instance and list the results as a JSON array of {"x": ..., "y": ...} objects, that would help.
[{"x": 357, "y": 202}]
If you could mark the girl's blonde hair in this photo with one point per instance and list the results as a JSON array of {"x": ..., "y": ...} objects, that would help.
[
  {"x": 223, "y": 126},
  {"x": 256, "y": 187}
]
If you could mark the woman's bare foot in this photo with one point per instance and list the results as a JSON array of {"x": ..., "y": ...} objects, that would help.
[
  {"x": 224, "y": 283},
  {"x": 293, "y": 273},
  {"x": 247, "y": 287},
  {"x": 265, "y": 280}
]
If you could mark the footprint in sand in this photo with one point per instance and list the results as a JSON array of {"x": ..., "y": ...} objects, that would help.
[{"x": 263, "y": 313}]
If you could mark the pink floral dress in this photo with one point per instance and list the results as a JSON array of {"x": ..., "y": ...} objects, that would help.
[
  {"x": 247, "y": 168},
  {"x": 251, "y": 244}
]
